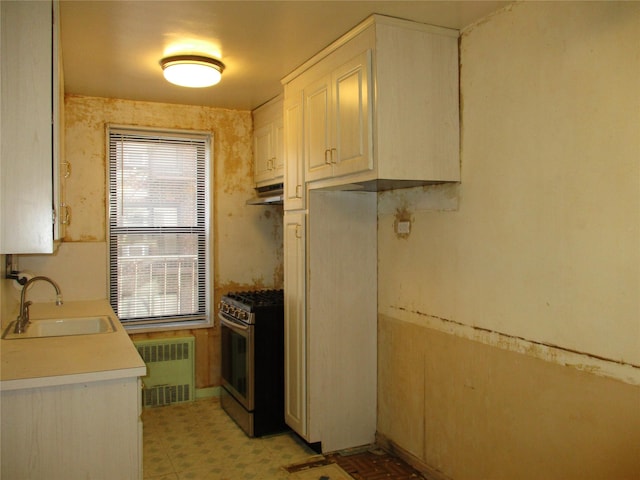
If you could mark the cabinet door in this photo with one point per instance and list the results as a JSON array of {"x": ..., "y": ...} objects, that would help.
[
  {"x": 268, "y": 142},
  {"x": 317, "y": 124},
  {"x": 263, "y": 152},
  {"x": 26, "y": 194},
  {"x": 61, "y": 167},
  {"x": 294, "y": 167},
  {"x": 338, "y": 121},
  {"x": 278, "y": 147},
  {"x": 51, "y": 432},
  {"x": 352, "y": 117},
  {"x": 295, "y": 331}
]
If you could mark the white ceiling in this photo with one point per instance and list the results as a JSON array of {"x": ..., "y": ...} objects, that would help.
[{"x": 112, "y": 48}]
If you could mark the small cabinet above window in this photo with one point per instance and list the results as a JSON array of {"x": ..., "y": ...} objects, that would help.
[{"x": 268, "y": 147}]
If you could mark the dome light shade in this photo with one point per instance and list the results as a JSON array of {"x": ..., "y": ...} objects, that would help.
[{"x": 193, "y": 71}]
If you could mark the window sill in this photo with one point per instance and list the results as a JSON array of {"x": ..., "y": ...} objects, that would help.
[{"x": 168, "y": 327}]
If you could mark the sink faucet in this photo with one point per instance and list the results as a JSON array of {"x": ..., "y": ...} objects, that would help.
[{"x": 23, "y": 317}]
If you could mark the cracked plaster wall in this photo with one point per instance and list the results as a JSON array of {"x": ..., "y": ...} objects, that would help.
[
  {"x": 247, "y": 246},
  {"x": 509, "y": 316}
]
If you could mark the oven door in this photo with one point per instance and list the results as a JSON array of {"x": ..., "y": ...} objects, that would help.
[{"x": 237, "y": 360}]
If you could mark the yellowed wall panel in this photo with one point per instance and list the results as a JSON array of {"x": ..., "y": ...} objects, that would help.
[
  {"x": 543, "y": 244},
  {"x": 247, "y": 247},
  {"x": 515, "y": 298}
]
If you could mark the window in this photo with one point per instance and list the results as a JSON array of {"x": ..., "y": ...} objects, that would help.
[{"x": 158, "y": 227}]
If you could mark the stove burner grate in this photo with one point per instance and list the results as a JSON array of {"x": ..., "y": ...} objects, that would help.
[{"x": 258, "y": 298}]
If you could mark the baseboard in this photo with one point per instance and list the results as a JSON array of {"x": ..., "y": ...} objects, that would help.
[
  {"x": 390, "y": 446},
  {"x": 207, "y": 392}
]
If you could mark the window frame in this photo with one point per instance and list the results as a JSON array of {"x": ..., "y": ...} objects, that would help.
[{"x": 161, "y": 323}]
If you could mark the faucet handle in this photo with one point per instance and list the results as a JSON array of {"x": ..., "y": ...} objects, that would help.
[{"x": 25, "y": 311}]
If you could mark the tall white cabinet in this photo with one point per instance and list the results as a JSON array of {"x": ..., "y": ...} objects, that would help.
[
  {"x": 30, "y": 106},
  {"x": 295, "y": 331},
  {"x": 375, "y": 110},
  {"x": 330, "y": 319},
  {"x": 341, "y": 318}
]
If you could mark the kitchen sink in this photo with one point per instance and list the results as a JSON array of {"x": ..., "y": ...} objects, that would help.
[{"x": 62, "y": 327}]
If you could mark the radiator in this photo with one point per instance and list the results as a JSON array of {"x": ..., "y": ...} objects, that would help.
[{"x": 170, "y": 370}]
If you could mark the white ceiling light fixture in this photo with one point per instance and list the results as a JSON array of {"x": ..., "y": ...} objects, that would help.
[{"x": 193, "y": 71}]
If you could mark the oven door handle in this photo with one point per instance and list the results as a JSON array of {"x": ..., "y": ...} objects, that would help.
[{"x": 237, "y": 327}]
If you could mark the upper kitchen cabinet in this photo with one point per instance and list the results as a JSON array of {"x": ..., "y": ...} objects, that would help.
[
  {"x": 268, "y": 148},
  {"x": 30, "y": 128},
  {"x": 381, "y": 107},
  {"x": 337, "y": 121},
  {"x": 294, "y": 186}
]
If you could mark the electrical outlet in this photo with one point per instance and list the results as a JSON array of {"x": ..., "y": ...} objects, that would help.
[{"x": 403, "y": 227}]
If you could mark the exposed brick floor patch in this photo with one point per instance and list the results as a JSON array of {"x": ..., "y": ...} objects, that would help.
[{"x": 375, "y": 465}]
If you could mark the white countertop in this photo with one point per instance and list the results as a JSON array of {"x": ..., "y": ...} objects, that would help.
[{"x": 43, "y": 362}]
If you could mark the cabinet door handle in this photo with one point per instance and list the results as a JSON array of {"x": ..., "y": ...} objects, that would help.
[
  {"x": 65, "y": 217},
  {"x": 298, "y": 234},
  {"x": 336, "y": 152},
  {"x": 327, "y": 160},
  {"x": 67, "y": 169},
  {"x": 298, "y": 191}
]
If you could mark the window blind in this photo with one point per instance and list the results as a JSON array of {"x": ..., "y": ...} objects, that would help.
[{"x": 158, "y": 226}]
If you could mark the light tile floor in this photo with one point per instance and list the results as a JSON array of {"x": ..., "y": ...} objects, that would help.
[{"x": 198, "y": 441}]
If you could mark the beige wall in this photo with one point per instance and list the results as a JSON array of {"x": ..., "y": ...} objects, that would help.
[
  {"x": 247, "y": 249},
  {"x": 509, "y": 318},
  {"x": 467, "y": 410}
]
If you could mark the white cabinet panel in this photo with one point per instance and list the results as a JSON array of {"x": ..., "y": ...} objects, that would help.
[
  {"x": 294, "y": 191},
  {"x": 341, "y": 318},
  {"x": 295, "y": 332},
  {"x": 351, "y": 116},
  {"x": 85, "y": 430},
  {"x": 381, "y": 107},
  {"x": 337, "y": 121},
  {"x": 31, "y": 111},
  {"x": 318, "y": 125},
  {"x": 268, "y": 142},
  {"x": 330, "y": 319}
]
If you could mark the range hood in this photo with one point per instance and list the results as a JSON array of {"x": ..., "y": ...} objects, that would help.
[{"x": 268, "y": 195}]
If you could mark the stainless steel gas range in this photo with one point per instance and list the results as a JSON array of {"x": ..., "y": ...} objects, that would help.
[{"x": 252, "y": 350}]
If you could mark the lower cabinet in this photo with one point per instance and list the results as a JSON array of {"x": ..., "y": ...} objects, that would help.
[
  {"x": 295, "y": 331},
  {"x": 331, "y": 319},
  {"x": 81, "y": 430}
]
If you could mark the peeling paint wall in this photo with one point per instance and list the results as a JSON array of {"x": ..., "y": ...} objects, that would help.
[
  {"x": 528, "y": 271},
  {"x": 247, "y": 247}
]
